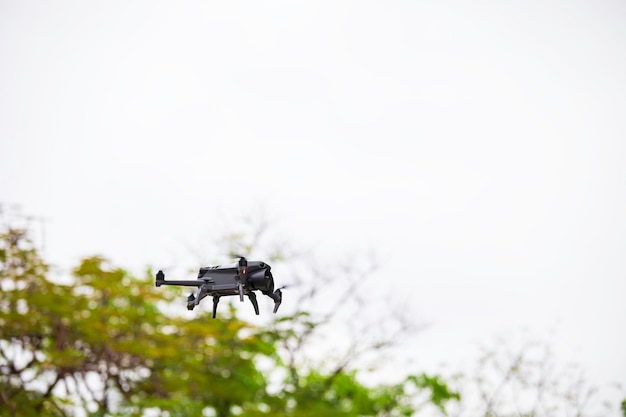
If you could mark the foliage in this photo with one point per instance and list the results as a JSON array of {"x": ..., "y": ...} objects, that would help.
[{"x": 101, "y": 344}]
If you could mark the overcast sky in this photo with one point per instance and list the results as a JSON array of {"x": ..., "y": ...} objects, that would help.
[{"x": 482, "y": 141}]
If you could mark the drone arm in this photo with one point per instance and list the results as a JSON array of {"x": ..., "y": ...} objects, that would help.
[
  {"x": 183, "y": 283},
  {"x": 160, "y": 280}
]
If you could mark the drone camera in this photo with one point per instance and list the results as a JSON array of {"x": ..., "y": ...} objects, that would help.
[{"x": 260, "y": 280}]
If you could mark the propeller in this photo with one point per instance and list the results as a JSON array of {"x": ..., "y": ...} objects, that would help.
[{"x": 236, "y": 255}]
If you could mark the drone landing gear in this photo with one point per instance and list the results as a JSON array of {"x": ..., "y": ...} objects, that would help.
[
  {"x": 252, "y": 297},
  {"x": 277, "y": 296},
  {"x": 216, "y": 300},
  {"x": 193, "y": 301}
]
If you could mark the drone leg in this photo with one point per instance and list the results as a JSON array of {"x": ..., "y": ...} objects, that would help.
[
  {"x": 278, "y": 298},
  {"x": 216, "y": 300},
  {"x": 252, "y": 297}
]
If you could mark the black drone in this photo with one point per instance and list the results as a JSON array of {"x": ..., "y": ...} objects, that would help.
[{"x": 240, "y": 278}]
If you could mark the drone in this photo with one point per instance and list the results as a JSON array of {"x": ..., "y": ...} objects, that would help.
[{"x": 239, "y": 278}]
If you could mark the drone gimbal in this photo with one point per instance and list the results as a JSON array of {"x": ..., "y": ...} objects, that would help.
[{"x": 241, "y": 278}]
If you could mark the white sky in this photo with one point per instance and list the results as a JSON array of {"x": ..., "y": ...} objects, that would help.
[{"x": 482, "y": 141}]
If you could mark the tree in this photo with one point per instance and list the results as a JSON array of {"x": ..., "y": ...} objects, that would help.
[
  {"x": 524, "y": 379},
  {"x": 101, "y": 344}
]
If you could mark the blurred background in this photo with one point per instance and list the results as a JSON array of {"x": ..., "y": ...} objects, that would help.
[{"x": 473, "y": 151}]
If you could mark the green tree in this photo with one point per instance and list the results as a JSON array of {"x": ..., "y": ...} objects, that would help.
[{"x": 100, "y": 344}]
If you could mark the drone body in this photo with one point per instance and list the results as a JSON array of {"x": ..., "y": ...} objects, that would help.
[{"x": 241, "y": 278}]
